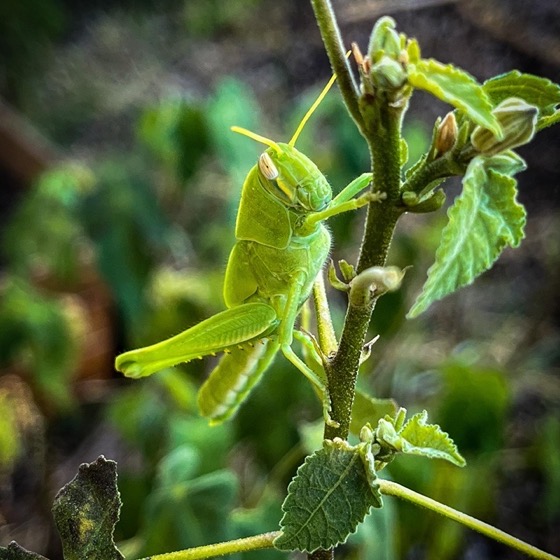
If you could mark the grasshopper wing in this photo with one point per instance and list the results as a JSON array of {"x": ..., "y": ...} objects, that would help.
[
  {"x": 226, "y": 329},
  {"x": 240, "y": 282},
  {"x": 233, "y": 379}
]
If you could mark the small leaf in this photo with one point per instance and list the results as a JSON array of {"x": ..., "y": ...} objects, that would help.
[
  {"x": 429, "y": 440},
  {"x": 456, "y": 87},
  {"x": 537, "y": 91},
  {"x": 16, "y": 552},
  {"x": 329, "y": 496},
  {"x": 368, "y": 409},
  {"x": 86, "y": 511},
  {"x": 549, "y": 120},
  {"x": 484, "y": 219}
]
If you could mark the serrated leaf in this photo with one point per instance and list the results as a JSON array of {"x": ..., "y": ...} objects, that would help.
[
  {"x": 429, "y": 440},
  {"x": 86, "y": 511},
  {"x": 16, "y": 552},
  {"x": 456, "y": 87},
  {"x": 484, "y": 219},
  {"x": 549, "y": 120},
  {"x": 540, "y": 92},
  {"x": 329, "y": 496}
]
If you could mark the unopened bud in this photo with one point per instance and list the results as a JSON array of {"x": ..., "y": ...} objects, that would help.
[
  {"x": 366, "y": 433},
  {"x": 517, "y": 119},
  {"x": 384, "y": 40},
  {"x": 388, "y": 74},
  {"x": 430, "y": 204},
  {"x": 374, "y": 282},
  {"x": 446, "y": 134}
]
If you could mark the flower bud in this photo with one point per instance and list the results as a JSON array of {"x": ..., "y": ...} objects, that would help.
[
  {"x": 366, "y": 433},
  {"x": 388, "y": 74},
  {"x": 517, "y": 119},
  {"x": 446, "y": 134},
  {"x": 384, "y": 40},
  {"x": 374, "y": 282}
]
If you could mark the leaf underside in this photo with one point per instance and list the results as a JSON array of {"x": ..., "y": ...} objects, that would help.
[
  {"x": 16, "y": 552},
  {"x": 327, "y": 499},
  {"x": 86, "y": 511},
  {"x": 456, "y": 87},
  {"x": 484, "y": 219},
  {"x": 540, "y": 92}
]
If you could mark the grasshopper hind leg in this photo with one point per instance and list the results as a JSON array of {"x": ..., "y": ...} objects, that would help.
[{"x": 232, "y": 380}]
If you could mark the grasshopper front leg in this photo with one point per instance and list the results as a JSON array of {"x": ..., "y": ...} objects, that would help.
[{"x": 345, "y": 201}]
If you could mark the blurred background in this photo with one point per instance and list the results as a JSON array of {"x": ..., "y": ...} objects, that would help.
[{"x": 119, "y": 182}]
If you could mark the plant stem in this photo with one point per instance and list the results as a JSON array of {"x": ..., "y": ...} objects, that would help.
[
  {"x": 220, "y": 549},
  {"x": 393, "y": 489},
  {"x": 342, "y": 371},
  {"x": 334, "y": 46},
  {"x": 383, "y": 136}
]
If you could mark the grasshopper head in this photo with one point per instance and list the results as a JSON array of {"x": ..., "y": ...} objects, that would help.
[{"x": 293, "y": 179}]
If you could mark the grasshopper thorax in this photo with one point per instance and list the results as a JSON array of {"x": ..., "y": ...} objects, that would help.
[{"x": 293, "y": 179}]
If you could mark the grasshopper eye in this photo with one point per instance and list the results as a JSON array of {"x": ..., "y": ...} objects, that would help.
[{"x": 267, "y": 167}]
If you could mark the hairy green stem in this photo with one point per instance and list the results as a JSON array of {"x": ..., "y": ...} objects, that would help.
[
  {"x": 383, "y": 137},
  {"x": 393, "y": 489},
  {"x": 440, "y": 168},
  {"x": 342, "y": 371},
  {"x": 384, "y": 144},
  {"x": 257, "y": 542},
  {"x": 334, "y": 46}
]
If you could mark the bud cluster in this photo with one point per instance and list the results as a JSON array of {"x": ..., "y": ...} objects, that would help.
[{"x": 384, "y": 66}]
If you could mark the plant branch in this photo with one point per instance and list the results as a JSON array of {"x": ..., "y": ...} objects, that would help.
[
  {"x": 336, "y": 52},
  {"x": 257, "y": 542},
  {"x": 440, "y": 168},
  {"x": 393, "y": 489}
]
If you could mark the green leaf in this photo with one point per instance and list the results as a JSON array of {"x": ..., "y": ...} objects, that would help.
[
  {"x": 549, "y": 120},
  {"x": 540, "y": 92},
  {"x": 456, "y": 87},
  {"x": 417, "y": 437},
  {"x": 16, "y": 552},
  {"x": 429, "y": 440},
  {"x": 484, "y": 219},
  {"x": 328, "y": 498},
  {"x": 86, "y": 511}
]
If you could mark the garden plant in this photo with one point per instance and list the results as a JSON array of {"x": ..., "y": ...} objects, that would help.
[{"x": 275, "y": 292}]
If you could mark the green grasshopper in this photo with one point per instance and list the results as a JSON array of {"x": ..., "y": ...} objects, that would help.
[{"x": 281, "y": 247}]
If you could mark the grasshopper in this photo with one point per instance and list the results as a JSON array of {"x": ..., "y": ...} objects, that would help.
[{"x": 281, "y": 247}]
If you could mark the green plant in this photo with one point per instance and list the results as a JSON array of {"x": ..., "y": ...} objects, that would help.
[{"x": 338, "y": 484}]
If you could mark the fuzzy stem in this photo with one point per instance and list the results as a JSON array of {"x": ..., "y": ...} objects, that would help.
[
  {"x": 334, "y": 46},
  {"x": 257, "y": 542},
  {"x": 393, "y": 489},
  {"x": 342, "y": 371}
]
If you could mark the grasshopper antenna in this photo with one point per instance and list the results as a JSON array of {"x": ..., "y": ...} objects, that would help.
[
  {"x": 258, "y": 138},
  {"x": 311, "y": 110}
]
